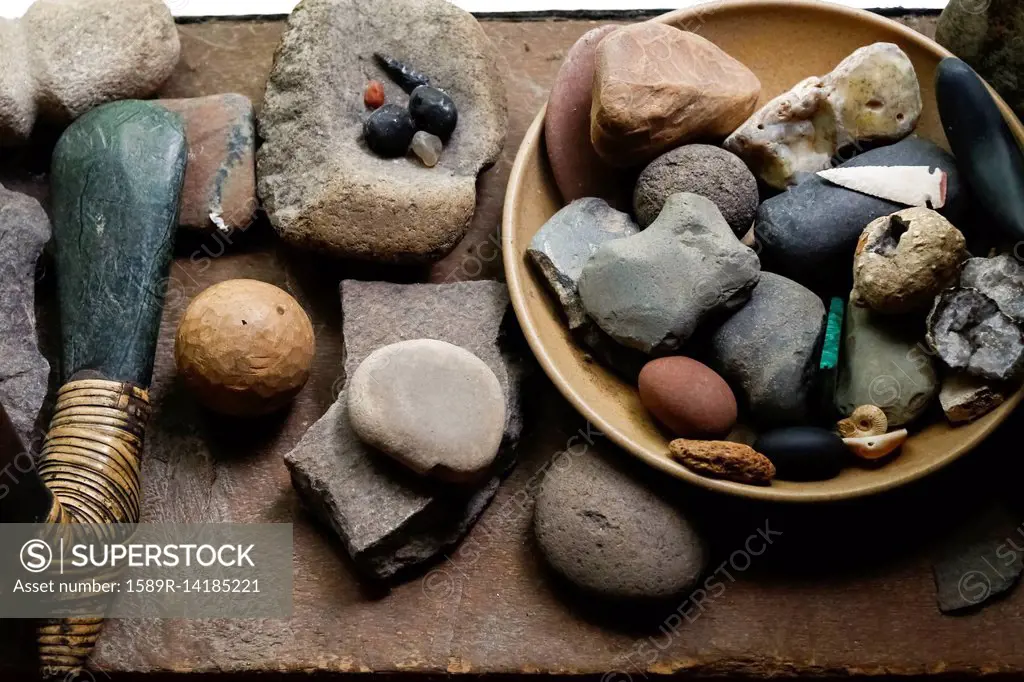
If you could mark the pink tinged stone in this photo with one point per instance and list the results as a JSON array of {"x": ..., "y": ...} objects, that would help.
[
  {"x": 579, "y": 172},
  {"x": 220, "y": 180}
]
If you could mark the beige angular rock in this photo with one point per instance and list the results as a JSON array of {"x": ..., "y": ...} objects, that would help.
[
  {"x": 656, "y": 87},
  {"x": 904, "y": 260},
  {"x": 871, "y": 96},
  {"x": 65, "y": 57},
  {"x": 965, "y": 398}
]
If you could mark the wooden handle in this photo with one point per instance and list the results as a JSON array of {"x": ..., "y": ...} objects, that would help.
[{"x": 90, "y": 462}]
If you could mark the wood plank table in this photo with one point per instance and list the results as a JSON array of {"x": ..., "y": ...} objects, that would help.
[{"x": 843, "y": 590}]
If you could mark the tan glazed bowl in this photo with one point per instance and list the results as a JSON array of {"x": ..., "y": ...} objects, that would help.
[{"x": 782, "y": 41}]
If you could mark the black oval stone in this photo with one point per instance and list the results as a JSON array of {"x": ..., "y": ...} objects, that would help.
[
  {"x": 803, "y": 453},
  {"x": 433, "y": 111},
  {"x": 388, "y": 131}
]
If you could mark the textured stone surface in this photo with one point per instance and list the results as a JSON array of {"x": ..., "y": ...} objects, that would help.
[
  {"x": 388, "y": 518},
  {"x": 114, "y": 238},
  {"x": 652, "y": 290},
  {"x": 434, "y": 407},
  {"x": 64, "y": 57},
  {"x": 969, "y": 332},
  {"x": 321, "y": 186},
  {"x": 244, "y": 347},
  {"x": 578, "y": 169},
  {"x": 988, "y": 35},
  {"x": 656, "y": 87},
  {"x": 809, "y": 233},
  {"x": 24, "y": 230},
  {"x": 564, "y": 244},
  {"x": 608, "y": 533},
  {"x": 967, "y": 577},
  {"x": 723, "y": 459},
  {"x": 768, "y": 350},
  {"x": 965, "y": 398},
  {"x": 687, "y": 397},
  {"x": 1001, "y": 278},
  {"x": 904, "y": 260},
  {"x": 220, "y": 178},
  {"x": 885, "y": 362},
  {"x": 700, "y": 169},
  {"x": 872, "y": 96}
]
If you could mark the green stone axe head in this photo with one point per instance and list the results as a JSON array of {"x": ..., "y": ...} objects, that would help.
[{"x": 116, "y": 182}]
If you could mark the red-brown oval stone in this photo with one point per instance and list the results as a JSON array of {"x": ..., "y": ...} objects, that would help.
[{"x": 687, "y": 397}]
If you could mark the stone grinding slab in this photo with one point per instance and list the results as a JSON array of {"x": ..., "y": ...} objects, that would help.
[{"x": 389, "y": 518}]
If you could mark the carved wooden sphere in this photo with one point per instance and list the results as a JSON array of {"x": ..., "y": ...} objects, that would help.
[{"x": 244, "y": 347}]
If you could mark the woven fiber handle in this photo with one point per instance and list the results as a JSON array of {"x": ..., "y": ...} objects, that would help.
[{"x": 90, "y": 462}]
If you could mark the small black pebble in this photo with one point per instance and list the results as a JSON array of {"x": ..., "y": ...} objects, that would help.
[
  {"x": 803, "y": 453},
  {"x": 433, "y": 111},
  {"x": 388, "y": 131}
]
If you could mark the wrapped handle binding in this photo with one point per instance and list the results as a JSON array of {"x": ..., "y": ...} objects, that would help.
[{"x": 90, "y": 462}]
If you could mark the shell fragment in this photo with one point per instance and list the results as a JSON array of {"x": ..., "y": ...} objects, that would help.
[{"x": 910, "y": 185}]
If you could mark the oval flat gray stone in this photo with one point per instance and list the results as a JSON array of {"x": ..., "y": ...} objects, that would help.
[
  {"x": 321, "y": 186},
  {"x": 433, "y": 406},
  {"x": 610, "y": 534}
]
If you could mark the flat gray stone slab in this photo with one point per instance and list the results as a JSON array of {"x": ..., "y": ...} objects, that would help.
[{"x": 389, "y": 518}]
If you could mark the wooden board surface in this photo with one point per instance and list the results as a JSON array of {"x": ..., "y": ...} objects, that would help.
[{"x": 845, "y": 589}]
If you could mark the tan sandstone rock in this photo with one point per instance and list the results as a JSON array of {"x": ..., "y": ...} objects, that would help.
[
  {"x": 656, "y": 87},
  {"x": 871, "y": 96}
]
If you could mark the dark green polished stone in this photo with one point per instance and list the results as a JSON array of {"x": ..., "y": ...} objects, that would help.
[
  {"x": 115, "y": 183},
  {"x": 986, "y": 151}
]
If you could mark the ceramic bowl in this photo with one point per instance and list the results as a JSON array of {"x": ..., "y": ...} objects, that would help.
[{"x": 782, "y": 41}]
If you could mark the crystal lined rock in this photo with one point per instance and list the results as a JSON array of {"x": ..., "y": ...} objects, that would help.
[{"x": 969, "y": 332}]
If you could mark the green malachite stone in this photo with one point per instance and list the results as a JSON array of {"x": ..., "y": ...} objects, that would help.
[
  {"x": 115, "y": 183},
  {"x": 833, "y": 335}
]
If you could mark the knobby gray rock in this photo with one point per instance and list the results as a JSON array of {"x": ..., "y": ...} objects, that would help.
[
  {"x": 969, "y": 332},
  {"x": 321, "y": 185},
  {"x": 652, "y": 291},
  {"x": 565, "y": 243},
  {"x": 1001, "y": 278},
  {"x": 24, "y": 231},
  {"x": 388, "y": 518}
]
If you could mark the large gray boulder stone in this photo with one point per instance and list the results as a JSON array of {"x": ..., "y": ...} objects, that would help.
[
  {"x": 653, "y": 290},
  {"x": 321, "y": 186}
]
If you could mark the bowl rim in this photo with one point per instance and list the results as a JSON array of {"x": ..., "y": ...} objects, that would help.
[{"x": 534, "y": 135}]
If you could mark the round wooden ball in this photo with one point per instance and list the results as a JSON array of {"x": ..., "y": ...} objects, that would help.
[{"x": 244, "y": 347}]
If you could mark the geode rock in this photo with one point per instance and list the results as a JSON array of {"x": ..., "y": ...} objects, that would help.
[
  {"x": 987, "y": 34},
  {"x": 321, "y": 186},
  {"x": 871, "y": 96},
  {"x": 565, "y": 243},
  {"x": 768, "y": 350},
  {"x": 64, "y": 57},
  {"x": 656, "y": 87},
  {"x": 24, "y": 230},
  {"x": 652, "y": 290},
  {"x": 388, "y": 518},
  {"x": 809, "y": 233},
  {"x": 1001, "y": 278},
  {"x": 969, "y": 332},
  {"x": 885, "y": 362}
]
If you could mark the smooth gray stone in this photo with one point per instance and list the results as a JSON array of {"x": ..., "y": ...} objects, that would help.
[
  {"x": 653, "y": 290},
  {"x": 884, "y": 361},
  {"x": 1001, "y": 278},
  {"x": 24, "y": 231},
  {"x": 768, "y": 350},
  {"x": 388, "y": 518},
  {"x": 609, "y": 533},
  {"x": 809, "y": 232},
  {"x": 564, "y": 244},
  {"x": 968, "y": 577}
]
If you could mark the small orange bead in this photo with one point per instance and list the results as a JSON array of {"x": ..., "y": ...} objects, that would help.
[{"x": 373, "y": 97}]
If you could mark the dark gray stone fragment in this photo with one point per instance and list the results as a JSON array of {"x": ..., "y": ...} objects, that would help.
[
  {"x": 389, "y": 518},
  {"x": 1001, "y": 278},
  {"x": 653, "y": 290},
  {"x": 967, "y": 577},
  {"x": 809, "y": 232},
  {"x": 24, "y": 231},
  {"x": 768, "y": 350},
  {"x": 564, "y": 244},
  {"x": 969, "y": 332}
]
